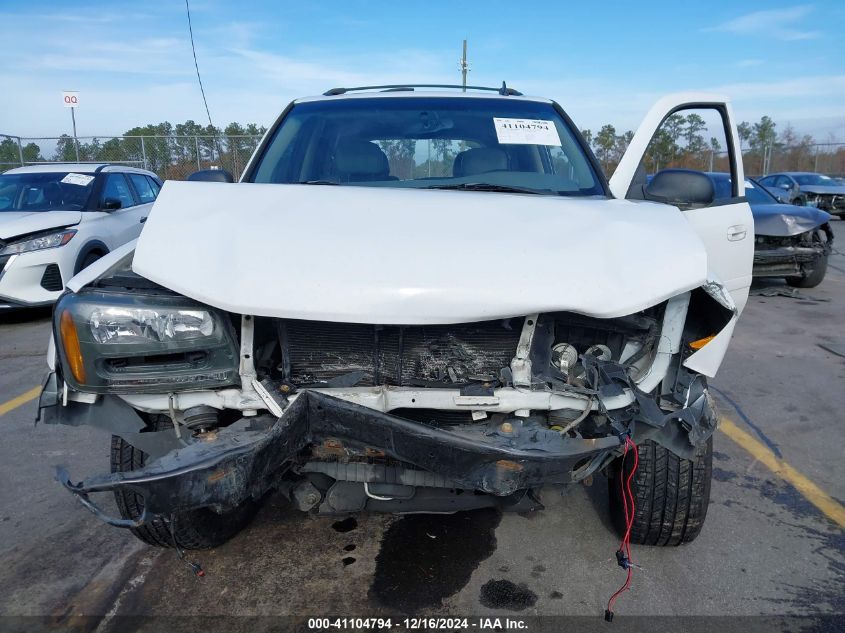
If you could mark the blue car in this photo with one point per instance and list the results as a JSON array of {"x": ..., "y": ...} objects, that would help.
[{"x": 789, "y": 241}]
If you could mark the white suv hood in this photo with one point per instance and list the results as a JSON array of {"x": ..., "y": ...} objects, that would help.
[
  {"x": 14, "y": 223},
  {"x": 405, "y": 256}
]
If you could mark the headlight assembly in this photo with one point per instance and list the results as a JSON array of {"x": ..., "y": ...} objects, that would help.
[
  {"x": 130, "y": 326},
  {"x": 51, "y": 240},
  {"x": 120, "y": 343}
]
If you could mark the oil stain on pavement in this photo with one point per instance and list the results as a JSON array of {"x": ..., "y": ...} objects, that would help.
[
  {"x": 426, "y": 558},
  {"x": 345, "y": 525},
  {"x": 503, "y": 594}
]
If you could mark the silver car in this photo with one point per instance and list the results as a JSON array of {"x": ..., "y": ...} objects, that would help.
[{"x": 800, "y": 187}]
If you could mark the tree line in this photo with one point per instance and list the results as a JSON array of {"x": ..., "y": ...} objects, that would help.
[
  {"x": 682, "y": 141},
  {"x": 174, "y": 151}
]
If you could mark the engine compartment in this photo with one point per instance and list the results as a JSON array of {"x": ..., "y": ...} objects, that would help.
[{"x": 311, "y": 354}]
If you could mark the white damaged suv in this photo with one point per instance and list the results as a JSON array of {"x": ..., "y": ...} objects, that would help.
[{"x": 413, "y": 301}]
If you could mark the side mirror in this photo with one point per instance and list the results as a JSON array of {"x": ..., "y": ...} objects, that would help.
[
  {"x": 111, "y": 204},
  {"x": 212, "y": 175},
  {"x": 683, "y": 188},
  {"x": 786, "y": 186}
]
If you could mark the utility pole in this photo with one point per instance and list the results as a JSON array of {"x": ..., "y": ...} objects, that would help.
[
  {"x": 75, "y": 140},
  {"x": 464, "y": 67},
  {"x": 70, "y": 98}
]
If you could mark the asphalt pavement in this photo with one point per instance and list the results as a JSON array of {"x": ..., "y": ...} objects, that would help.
[{"x": 768, "y": 548}]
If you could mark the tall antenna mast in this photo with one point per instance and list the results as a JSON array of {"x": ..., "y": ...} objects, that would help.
[{"x": 464, "y": 67}]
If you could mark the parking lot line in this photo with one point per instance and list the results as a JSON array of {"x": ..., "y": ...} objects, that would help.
[
  {"x": 17, "y": 401},
  {"x": 810, "y": 491}
]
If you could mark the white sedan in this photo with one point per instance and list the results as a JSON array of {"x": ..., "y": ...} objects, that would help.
[{"x": 57, "y": 219}]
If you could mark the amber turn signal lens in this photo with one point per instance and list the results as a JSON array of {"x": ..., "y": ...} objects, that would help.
[
  {"x": 696, "y": 345},
  {"x": 70, "y": 342}
]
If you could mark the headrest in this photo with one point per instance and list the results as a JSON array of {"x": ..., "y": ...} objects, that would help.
[
  {"x": 478, "y": 161},
  {"x": 52, "y": 192},
  {"x": 360, "y": 157}
]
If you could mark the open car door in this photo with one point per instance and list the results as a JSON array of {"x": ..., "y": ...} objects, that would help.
[{"x": 724, "y": 223}]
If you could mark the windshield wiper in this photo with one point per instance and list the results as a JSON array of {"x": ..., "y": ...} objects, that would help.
[
  {"x": 317, "y": 182},
  {"x": 484, "y": 186}
]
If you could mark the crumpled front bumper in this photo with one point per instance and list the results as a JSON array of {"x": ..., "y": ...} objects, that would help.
[
  {"x": 245, "y": 460},
  {"x": 775, "y": 260}
]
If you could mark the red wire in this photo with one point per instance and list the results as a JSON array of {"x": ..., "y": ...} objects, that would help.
[{"x": 629, "y": 508}]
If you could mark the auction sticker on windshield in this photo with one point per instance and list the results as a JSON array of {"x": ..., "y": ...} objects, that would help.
[
  {"x": 77, "y": 179},
  {"x": 526, "y": 132}
]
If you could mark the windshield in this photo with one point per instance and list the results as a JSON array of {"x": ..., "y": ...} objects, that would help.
[
  {"x": 756, "y": 194},
  {"x": 814, "y": 179},
  {"x": 53, "y": 191},
  {"x": 436, "y": 143}
]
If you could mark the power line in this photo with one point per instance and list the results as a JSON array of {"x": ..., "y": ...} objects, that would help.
[{"x": 194, "y": 50}]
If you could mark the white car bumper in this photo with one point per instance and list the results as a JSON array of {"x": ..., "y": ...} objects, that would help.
[{"x": 29, "y": 279}]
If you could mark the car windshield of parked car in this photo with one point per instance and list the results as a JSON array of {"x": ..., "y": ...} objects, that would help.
[
  {"x": 53, "y": 191},
  {"x": 814, "y": 179},
  {"x": 508, "y": 145},
  {"x": 756, "y": 194}
]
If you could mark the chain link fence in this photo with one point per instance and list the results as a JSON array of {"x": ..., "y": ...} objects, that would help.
[
  {"x": 825, "y": 158},
  {"x": 176, "y": 157},
  {"x": 171, "y": 157}
]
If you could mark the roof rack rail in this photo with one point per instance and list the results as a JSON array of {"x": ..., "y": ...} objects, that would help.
[{"x": 504, "y": 90}]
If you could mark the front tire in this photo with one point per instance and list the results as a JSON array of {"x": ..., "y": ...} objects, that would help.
[
  {"x": 812, "y": 278},
  {"x": 671, "y": 494},
  {"x": 195, "y": 529}
]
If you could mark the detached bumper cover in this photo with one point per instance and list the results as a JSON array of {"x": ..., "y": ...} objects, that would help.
[{"x": 244, "y": 462}]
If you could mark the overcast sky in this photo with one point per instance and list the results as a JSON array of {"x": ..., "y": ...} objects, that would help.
[{"x": 603, "y": 61}]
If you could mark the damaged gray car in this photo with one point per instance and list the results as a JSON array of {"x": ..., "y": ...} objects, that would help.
[
  {"x": 413, "y": 301},
  {"x": 791, "y": 242},
  {"x": 807, "y": 188}
]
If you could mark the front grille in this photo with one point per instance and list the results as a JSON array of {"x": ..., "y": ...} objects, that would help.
[
  {"x": 52, "y": 278},
  {"x": 319, "y": 352}
]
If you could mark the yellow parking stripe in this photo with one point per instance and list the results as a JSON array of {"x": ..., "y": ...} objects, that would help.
[
  {"x": 22, "y": 399},
  {"x": 810, "y": 491}
]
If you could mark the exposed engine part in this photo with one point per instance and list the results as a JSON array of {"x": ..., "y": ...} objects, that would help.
[
  {"x": 319, "y": 354},
  {"x": 564, "y": 357},
  {"x": 566, "y": 428},
  {"x": 377, "y": 473},
  {"x": 200, "y": 419},
  {"x": 406, "y": 490},
  {"x": 599, "y": 351},
  {"x": 305, "y": 495},
  {"x": 531, "y": 352},
  {"x": 344, "y": 497}
]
